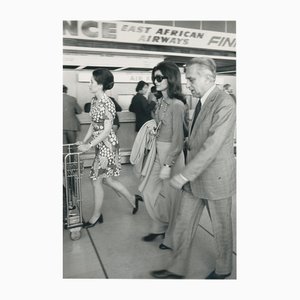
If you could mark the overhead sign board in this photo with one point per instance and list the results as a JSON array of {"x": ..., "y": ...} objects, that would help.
[{"x": 139, "y": 33}]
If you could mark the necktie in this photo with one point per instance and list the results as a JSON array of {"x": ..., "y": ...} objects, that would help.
[{"x": 197, "y": 110}]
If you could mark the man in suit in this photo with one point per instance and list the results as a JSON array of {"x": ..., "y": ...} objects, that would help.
[
  {"x": 70, "y": 121},
  {"x": 208, "y": 178}
]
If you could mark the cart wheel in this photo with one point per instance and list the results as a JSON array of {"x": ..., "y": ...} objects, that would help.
[{"x": 75, "y": 235}]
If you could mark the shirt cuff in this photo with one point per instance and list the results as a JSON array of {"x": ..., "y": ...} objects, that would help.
[
  {"x": 170, "y": 161},
  {"x": 185, "y": 179}
]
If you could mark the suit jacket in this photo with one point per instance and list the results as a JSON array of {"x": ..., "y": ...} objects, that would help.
[
  {"x": 142, "y": 109},
  {"x": 70, "y": 109},
  {"x": 210, "y": 160}
]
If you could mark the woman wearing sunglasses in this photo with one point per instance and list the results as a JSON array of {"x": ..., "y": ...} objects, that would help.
[{"x": 169, "y": 159}]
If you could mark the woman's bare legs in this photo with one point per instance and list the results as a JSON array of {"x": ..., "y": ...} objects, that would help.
[
  {"x": 98, "y": 199},
  {"x": 119, "y": 187}
]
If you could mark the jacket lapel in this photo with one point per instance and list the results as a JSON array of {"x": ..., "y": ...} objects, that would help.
[{"x": 204, "y": 110}]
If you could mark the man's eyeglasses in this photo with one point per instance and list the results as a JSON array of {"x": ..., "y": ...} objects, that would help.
[{"x": 159, "y": 78}]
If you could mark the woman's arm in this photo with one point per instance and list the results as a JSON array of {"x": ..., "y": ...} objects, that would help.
[
  {"x": 177, "y": 140},
  {"x": 104, "y": 134},
  {"x": 178, "y": 134},
  {"x": 88, "y": 134},
  {"x": 107, "y": 128}
]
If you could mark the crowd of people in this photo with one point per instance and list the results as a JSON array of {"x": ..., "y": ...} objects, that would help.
[{"x": 194, "y": 163}]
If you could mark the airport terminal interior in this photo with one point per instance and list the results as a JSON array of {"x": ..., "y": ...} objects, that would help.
[{"x": 114, "y": 249}]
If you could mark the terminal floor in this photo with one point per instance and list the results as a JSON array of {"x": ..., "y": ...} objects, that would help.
[{"x": 114, "y": 249}]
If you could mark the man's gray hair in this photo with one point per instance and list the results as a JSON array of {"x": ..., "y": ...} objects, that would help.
[{"x": 204, "y": 63}]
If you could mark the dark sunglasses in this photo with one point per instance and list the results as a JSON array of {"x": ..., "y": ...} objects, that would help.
[{"x": 159, "y": 78}]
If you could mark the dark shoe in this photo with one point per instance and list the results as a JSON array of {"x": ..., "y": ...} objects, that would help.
[
  {"x": 164, "y": 247},
  {"x": 152, "y": 236},
  {"x": 165, "y": 274},
  {"x": 137, "y": 199},
  {"x": 89, "y": 225},
  {"x": 100, "y": 220},
  {"x": 214, "y": 275}
]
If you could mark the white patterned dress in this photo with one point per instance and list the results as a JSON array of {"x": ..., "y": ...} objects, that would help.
[{"x": 107, "y": 162}]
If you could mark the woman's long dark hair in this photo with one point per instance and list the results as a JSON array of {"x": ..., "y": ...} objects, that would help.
[{"x": 172, "y": 72}]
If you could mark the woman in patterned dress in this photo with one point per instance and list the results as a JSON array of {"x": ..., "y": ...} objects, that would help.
[{"x": 107, "y": 162}]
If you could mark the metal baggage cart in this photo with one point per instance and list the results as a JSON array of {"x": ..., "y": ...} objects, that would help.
[{"x": 72, "y": 196}]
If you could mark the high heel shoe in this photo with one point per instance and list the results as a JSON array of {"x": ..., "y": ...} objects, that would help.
[
  {"x": 100, "y": 220},
  {"x": 89, "y": 225},
  {"x": 152, "y": 236},
  {"x": 137, "y": 199},
  {"x": 164, "y": 247}
]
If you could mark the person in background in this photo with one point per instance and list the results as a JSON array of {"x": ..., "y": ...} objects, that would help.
[
  {"x": 70, "y": 122},
  {"x": 208, "y": 179},
  {"x": 169, "y": 159},
  {"x": 107, "y": 162},
  {"x": 141, "y": 106},
  {"x": 228, "y": 89},
  {"x": 154, "y": 95},
  {"x": 116, "y": 123}
]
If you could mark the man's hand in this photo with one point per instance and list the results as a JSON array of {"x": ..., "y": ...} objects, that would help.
[{"x": 178, "y": 182}]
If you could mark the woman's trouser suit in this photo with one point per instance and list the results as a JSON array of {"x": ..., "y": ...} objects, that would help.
[{"x": 161, "y": 200}]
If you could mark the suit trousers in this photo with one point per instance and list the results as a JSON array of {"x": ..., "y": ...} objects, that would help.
[
  {"x": 162, "y": 210},
  {"x": 188, "y": 217}
]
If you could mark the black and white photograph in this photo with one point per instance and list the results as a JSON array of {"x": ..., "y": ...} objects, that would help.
[
  {"x": 149, "y": 150},
  {"x": 149, "y": 133}
]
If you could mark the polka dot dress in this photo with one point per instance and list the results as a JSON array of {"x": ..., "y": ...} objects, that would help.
[{"x": 107, "y": 160}]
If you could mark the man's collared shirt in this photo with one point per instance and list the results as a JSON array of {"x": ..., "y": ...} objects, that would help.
[{"x": 204, "y": 97}]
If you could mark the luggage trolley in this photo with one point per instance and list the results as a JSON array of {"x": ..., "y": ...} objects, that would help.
[{"x": 73, "y": 170}]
